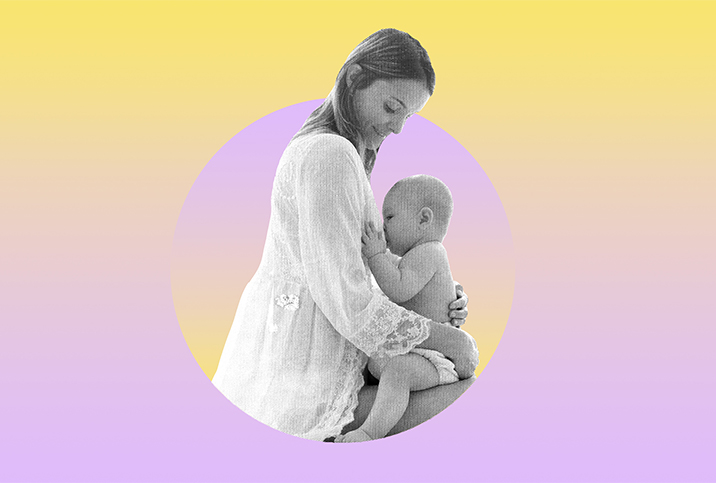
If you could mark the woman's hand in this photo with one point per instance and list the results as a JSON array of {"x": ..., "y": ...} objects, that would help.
[{"x": 458, "y": 307}]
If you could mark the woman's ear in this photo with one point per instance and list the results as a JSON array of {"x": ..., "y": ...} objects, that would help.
[
  {"x": 352, "y": 73},
  {"x": 426, "y": 216}
]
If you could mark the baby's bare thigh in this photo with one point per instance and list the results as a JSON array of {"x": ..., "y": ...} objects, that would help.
[{"x": 415, "y": 368}]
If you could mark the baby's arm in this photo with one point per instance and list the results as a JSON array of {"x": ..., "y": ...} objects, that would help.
[{"x": 404, "y": 281}]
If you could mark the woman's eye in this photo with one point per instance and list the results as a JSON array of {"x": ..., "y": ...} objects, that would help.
[{"x": 389, "y": 109}]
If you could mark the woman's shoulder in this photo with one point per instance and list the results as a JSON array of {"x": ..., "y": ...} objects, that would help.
[
  {"x": 327, "y": 151},
  {"x": 326, "y": 142}
]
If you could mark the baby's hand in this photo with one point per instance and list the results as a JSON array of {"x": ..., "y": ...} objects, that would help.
[{"x": 372, "y": 241}]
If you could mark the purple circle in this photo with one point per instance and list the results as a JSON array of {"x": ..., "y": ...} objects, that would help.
[{"x": 221, "y": 230}]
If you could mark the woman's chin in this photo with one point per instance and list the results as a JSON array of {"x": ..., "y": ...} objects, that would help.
[{"x": 375, "y": 143}]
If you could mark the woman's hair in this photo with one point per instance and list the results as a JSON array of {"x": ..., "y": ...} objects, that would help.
[{"x": 386, "y": 54}]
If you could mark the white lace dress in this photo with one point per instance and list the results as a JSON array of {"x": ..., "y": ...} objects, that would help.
[{"x": 311, "y": 314}]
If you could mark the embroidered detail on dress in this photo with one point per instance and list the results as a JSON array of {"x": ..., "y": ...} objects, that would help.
[{"x": 288, "y": 302}]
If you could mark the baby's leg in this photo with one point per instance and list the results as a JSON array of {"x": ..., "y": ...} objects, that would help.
[{"x": 402, "y": 374}]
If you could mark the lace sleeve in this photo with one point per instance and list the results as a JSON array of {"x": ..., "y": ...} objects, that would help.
[
  {"x": 390, "y": 329},
  {"x": 331, "y": 205}
]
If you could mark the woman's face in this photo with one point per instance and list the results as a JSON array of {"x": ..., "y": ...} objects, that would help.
[{"x": 384, "y": 106}]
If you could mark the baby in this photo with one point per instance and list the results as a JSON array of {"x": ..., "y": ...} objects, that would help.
[{"x": 416, "y": 214}]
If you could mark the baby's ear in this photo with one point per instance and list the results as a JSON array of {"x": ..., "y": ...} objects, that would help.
[{"x": 426, "y": 216}]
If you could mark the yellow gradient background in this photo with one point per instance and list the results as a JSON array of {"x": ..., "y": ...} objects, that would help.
[{"x": 592, "y": 119}]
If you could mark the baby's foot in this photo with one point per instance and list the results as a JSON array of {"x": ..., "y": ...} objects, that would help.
[{"x": 355, "y": 436}]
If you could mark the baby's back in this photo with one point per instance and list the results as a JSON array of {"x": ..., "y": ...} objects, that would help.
[{"x": 433, "y": 300}]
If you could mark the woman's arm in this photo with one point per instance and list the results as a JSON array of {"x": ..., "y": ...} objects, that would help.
[{"x": 457, "y": 345}]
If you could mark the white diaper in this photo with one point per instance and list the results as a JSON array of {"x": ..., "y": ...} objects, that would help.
[{"x": 446, "y": 369}]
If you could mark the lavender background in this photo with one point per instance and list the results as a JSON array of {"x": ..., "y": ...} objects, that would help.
[{"x": 600, "y": 376}]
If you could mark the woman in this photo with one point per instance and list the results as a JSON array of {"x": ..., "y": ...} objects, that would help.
[{"x": 296, "y": 352}]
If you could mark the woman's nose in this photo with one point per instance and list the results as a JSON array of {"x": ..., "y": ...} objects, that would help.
[{"x": 397, "y": 125}]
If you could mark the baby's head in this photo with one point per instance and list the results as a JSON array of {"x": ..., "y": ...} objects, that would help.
[{"x": 416, "y": 210}]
